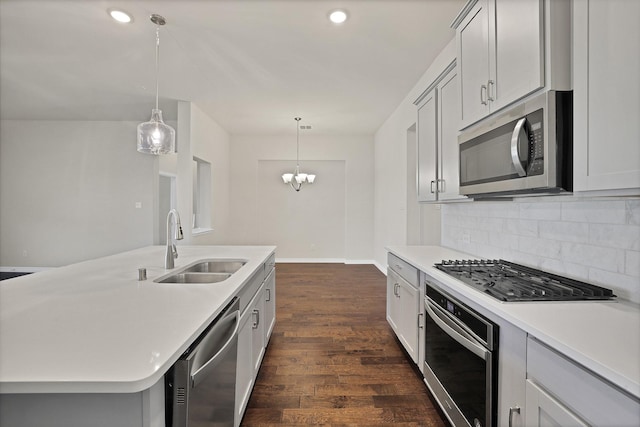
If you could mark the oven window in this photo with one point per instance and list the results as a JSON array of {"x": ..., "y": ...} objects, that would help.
[{"x": 462, "y": 373}]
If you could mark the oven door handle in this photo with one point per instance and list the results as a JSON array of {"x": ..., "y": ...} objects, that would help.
[{"x": 455, "y": 331}]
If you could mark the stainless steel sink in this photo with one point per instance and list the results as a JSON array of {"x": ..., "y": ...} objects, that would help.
[
  {"x": 215, "y": 266},
  {"x": 186, "y": 277},
  {"x": 205, "y": 271}
]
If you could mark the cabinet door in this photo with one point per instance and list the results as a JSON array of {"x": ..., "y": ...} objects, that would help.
[
  {"x": 606, "y": 95},
  {"x": 269, "y": 305},
  {"x": 393, "y": 281},
  {"x": 409, "y": 306},
  {"x": 473, "y": 63},
  {"x": 427, "y": 140},
  {"x": 448, "y": 125},
  {"x": 258, "y": 332},
  {"x": 518, "y": 57},
  {"x": 545, "y": 411},
  {"x": 244, "y": 367}
]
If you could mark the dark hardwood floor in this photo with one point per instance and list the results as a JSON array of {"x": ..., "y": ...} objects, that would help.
[{"x": 333, "y": 359}]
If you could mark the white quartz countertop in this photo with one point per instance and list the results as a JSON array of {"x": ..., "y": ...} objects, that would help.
[
  {"x": 604, "y": 337},
  {"x": 92, "y": 327}
]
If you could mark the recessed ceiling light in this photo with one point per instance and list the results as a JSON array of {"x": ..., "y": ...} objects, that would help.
[
  {"x": 338, "y": 16},
  {"x": 120, "y": 15}
]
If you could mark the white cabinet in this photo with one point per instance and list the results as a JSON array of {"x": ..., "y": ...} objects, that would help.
[
  {"x": 403, "y": 316},
  {"x": 257, "y": 321},
  {"x": 437, "y": 153},
  {"x": 543, "y": 410},
  {"x": 606, "y": 95},
  {"x": 250, "y": 351},
  {"x": 506, "y": 49},
  {"x": 403, "y": 304},
  {"x": 269, "y": 305},
  {"x": 512, "y": 373},
  {"x": 559, "y": 389}
]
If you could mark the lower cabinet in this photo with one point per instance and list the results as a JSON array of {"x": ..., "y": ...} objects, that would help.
[
  {"x": 544, "y": 410},
  {"x": 250, "y": 351},
  {"x": 560, "y": 390},
  {"x": 403, "y": 307},
  {"x": 256, "y": 324}
]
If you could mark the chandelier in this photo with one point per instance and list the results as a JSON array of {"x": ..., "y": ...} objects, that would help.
[
  {"x": 154, "y": 136},
  {"x": 296, "y": 179}
]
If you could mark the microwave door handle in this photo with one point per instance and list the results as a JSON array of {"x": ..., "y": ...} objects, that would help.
[
  {"x": 455, "y": 332},
  {"x": 518, "y": 132}
]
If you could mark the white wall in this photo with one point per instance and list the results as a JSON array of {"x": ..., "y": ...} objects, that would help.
[
  {"x": 201, "y": 136},
  {"x": 596, "y": 240},
  {"x": 355, "y": 192},
  {"x": 390, "y": 210},
  {"x": 68, "y": 191}
]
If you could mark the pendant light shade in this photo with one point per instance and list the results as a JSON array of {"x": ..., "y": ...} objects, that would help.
[{"x": 155, "y": 136}]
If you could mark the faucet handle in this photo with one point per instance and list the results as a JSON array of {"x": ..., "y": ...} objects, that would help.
[{"x": 174, "y": 251}]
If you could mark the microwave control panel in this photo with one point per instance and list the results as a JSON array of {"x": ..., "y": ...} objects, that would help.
[{"x": 536, "y": 143}]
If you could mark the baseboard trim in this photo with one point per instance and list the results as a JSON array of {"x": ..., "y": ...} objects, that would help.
[
  {"x": 383, "y": 269},
  {"x": 326, "y": 260}
]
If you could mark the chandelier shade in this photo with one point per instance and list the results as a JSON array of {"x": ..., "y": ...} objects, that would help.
[
  {"x": 297, "y": 178},
  {"x": 155, "y": 136}
]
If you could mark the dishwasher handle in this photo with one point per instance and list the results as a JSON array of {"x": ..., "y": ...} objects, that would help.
[
  {"x": 455, "y": 331},
  {"x": 209, "y": 365}
]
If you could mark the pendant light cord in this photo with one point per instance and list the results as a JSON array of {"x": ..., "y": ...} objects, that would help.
[
  {"x": 157, "y": 62},
  {"x": 297, "y": 141}
]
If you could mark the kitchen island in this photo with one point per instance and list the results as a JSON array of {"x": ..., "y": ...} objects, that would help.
[{"x": 94, "y": 329}]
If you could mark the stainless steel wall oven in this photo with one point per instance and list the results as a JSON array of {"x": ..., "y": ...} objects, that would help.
[{"x": 461, "y": 359}]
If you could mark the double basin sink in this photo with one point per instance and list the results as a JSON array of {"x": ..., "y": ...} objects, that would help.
[{"x": 204, "y": 271}]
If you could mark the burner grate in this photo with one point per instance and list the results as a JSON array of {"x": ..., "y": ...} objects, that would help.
[{"x": 508, "y": 281}]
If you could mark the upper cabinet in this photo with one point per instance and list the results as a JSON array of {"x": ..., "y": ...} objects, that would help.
[
  {"x": 606, "y": 95},
  {"x": 437, "y": 153},
  {"x": 502, "y": 54}
]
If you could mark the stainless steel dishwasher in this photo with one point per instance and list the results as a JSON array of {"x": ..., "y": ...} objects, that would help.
[{"x": 201, "y": 385}]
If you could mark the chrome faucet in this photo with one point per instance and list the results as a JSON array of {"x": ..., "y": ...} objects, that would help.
[{"x": 172, "y": 252}]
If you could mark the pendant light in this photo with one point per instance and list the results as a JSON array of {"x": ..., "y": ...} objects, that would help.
[
  {"x": 296, "y": 179},
  {"x": 154, "y": 136}
]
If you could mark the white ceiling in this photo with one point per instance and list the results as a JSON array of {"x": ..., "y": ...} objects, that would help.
[{"x": 252, "y": 65}]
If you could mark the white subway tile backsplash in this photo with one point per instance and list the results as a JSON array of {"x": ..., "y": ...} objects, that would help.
[
  {"x": 609, "y": 259},
  {"x": 522, "y": 227},
  {"x": 633, "y": 212},
  {"x": 602, "y": 212},
  {"x": 596, "y": 240},
  {"x": 540, "y": 210},
  {"x": 564, "y": 231},
  {"x": 615, "y": 236},
  {"x": 632, "y": 264}
]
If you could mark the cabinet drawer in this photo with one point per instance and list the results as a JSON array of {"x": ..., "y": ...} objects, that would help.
[
  {"x": 407, "y": 271},
  {"x": 587, "y": 395},
  {"x": 269, "y": 265},
  {"x": 250, "y": 288}
]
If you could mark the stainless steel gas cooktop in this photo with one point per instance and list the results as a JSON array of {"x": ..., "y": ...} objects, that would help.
[{"x": 507, "y": 281}]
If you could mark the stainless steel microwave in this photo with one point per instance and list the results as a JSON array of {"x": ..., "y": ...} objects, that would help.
[{"x": 526, "y": 150}]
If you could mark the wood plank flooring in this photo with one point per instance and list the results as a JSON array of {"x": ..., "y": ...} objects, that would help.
[{"x": 333, "y": 359}]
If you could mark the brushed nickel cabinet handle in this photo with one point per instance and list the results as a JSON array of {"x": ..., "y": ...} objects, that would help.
[
  {"x": 513, "y": 410},
  {"x": 491, "y": 84},
  {"x": 483, "y": 94}
]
